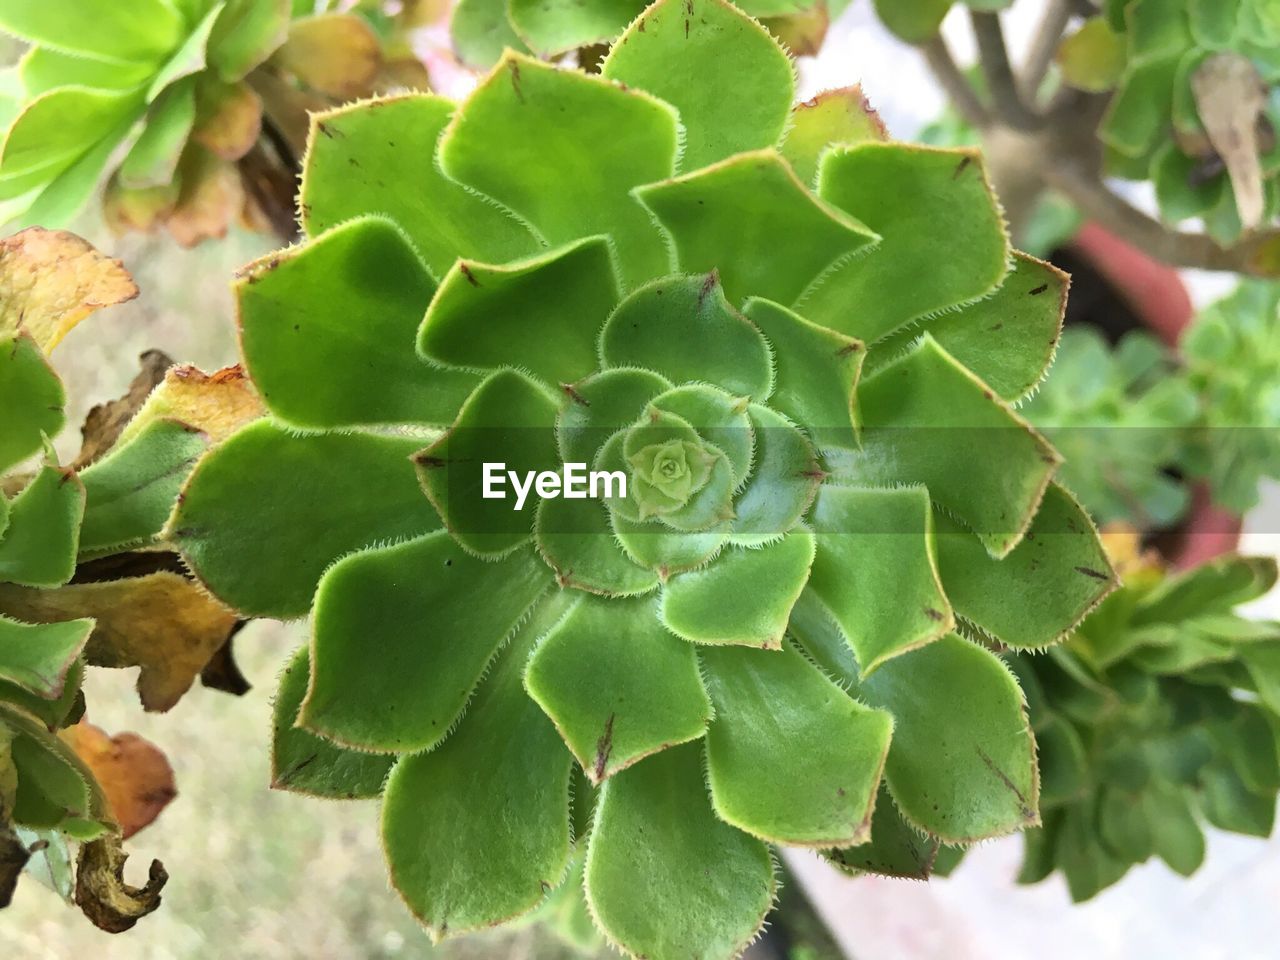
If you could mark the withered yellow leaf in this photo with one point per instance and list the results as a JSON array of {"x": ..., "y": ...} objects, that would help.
[
  {"x": 161, "y": 622},
  {"x": 102, "y": 893},
  {"x": 217, "y": 403},
  {"x": 50, "y": 280}
]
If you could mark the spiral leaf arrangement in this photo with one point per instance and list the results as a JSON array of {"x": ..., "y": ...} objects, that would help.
[{"x": 798, "y": 342}]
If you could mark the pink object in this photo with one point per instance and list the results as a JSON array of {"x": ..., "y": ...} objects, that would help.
[{"x": 1156, "y": 294}]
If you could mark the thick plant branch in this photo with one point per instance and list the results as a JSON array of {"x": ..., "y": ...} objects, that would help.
[
  {"x": 1043, "y": 47},
  {"x": 994, "y": 57},
  {"x": 957, "y": 87},
  {"x": 1174, "y": 247}
]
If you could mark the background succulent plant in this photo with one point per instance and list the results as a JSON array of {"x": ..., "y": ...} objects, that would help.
[
  {"x": 180, "y": 89},
  {"x": 1158, "y": 714},
  {"x": 60, "y": 778},
  {"x": 1121, "y": 418},
  {"x": 1194, "y": 105},
  {"x": 798, "y": 340},
  {"x": 1232, "y": 359}
]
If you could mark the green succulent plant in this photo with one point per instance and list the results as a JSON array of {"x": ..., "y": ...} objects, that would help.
[
  {"x": 1121, "y": 418},
  {"x": 149, "y": 77},
  {"x": 1232, "y": 358},
  {"x": 171, "y": 98},
  {"x": 1195, "y": 107},
  {"x": 482, "y": 29},
  {"x": 1159, "y": 714},
  {"x": 797, "y": 343}
]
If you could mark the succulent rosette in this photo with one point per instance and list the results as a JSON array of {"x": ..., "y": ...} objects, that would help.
[
  {"x": 1120, "y": 417},
  {"x": 1160, "y": 714},
  {"x": 1232, "y": 359},
  {"x": 797, "y": 341}
]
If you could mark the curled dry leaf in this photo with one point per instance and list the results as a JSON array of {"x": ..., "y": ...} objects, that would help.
[
  {"x": 102, "y": 893},
  {"x": 335, "y": 54},
  {"x": 222, "y": 672},
  {"x": 1230, "y": 96},
  {"x": 133, "y": 772},
  {"x": 162, "y": 622},
  {"x": 50, "y": 280},
  {"x": 105, "y": 422}
]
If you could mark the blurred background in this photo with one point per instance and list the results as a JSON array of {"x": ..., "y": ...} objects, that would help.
[{"x": 261, "y": 874}]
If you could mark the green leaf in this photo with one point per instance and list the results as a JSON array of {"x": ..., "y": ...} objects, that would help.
[
  {"x": 1007, "y": 339},
  {"x": 37, "y": 657},
  {"x": 664, "y": 872},
  {"x": 542, "y": 314},
  {"x": 599, "y": 406},
  {"x": 923, "y": 416},
  {"x": 962, "y": 762},
  {"x": 653, "y": 327},
  {"x": 295, "y": 504},
  {"x": 657, "y": 547},
  {"x": 54, "y": 786},
  {"x": 1042, "y": 589},
  {"x": 32, "y": 398},
  {"x": 876, "y": 570},
  {"x": 784, "y": 479},
  {"x": 943, "y": 239},
  {"x": 840, "y": 116},
  {"x": 501, "y": 783},
  {"x": 552, "y": 27},
  {"x": 743, "y": 104},
  {"x": 573, "y": 536},
  {"x": 510, "y": 421},
  {"x": 1214, "y": 23},
  {"x": 189, "y": 58},
  {"x": 130, "y": 492},
  {"x": 791, "y": 758},
  {"x": 245, "y": 34},
  {"x": 480, "y": 31},
  {"x": 417, "y": 602},
  {"x": 895, "y": 849},
  {"x": 1175, "y": 834},
  {"x": 1218, "y": 586},
  {"x": 744, "y": 598},
  {"x": 153, "y": 158},
  {"x": 569, "y": 149},
  {"x": 721, "y": 217},
  {"x": 141, "y": 31},
  {"x": 58, "y": 128},
  {"x": 1230, "y": 805},
  {"x": 361, "y": 156},
  {"x": 617, "y": 685},
  {"x": 38, "y": 548},
  {"x": 1092, "y": 58},
  {"x": 914, "y": 21},
  {"x": 301, "y": 762},
  {"x": 298, "y": 311},
  {"x": 1141, "y": 110},
  {"x": 42, "y": 69},
  {"x": 815, "y": 372}
]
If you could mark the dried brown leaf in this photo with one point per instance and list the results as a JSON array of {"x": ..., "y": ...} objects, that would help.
[
  {"x": 1230, "y": 96},
  {"x": 104, "y": 423},
  {"x": 230, "y": 121},
  {"x": 211, "y": 199},
  {"x": 134, "y": 774},
  {"x": 50, "y": 280}
]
